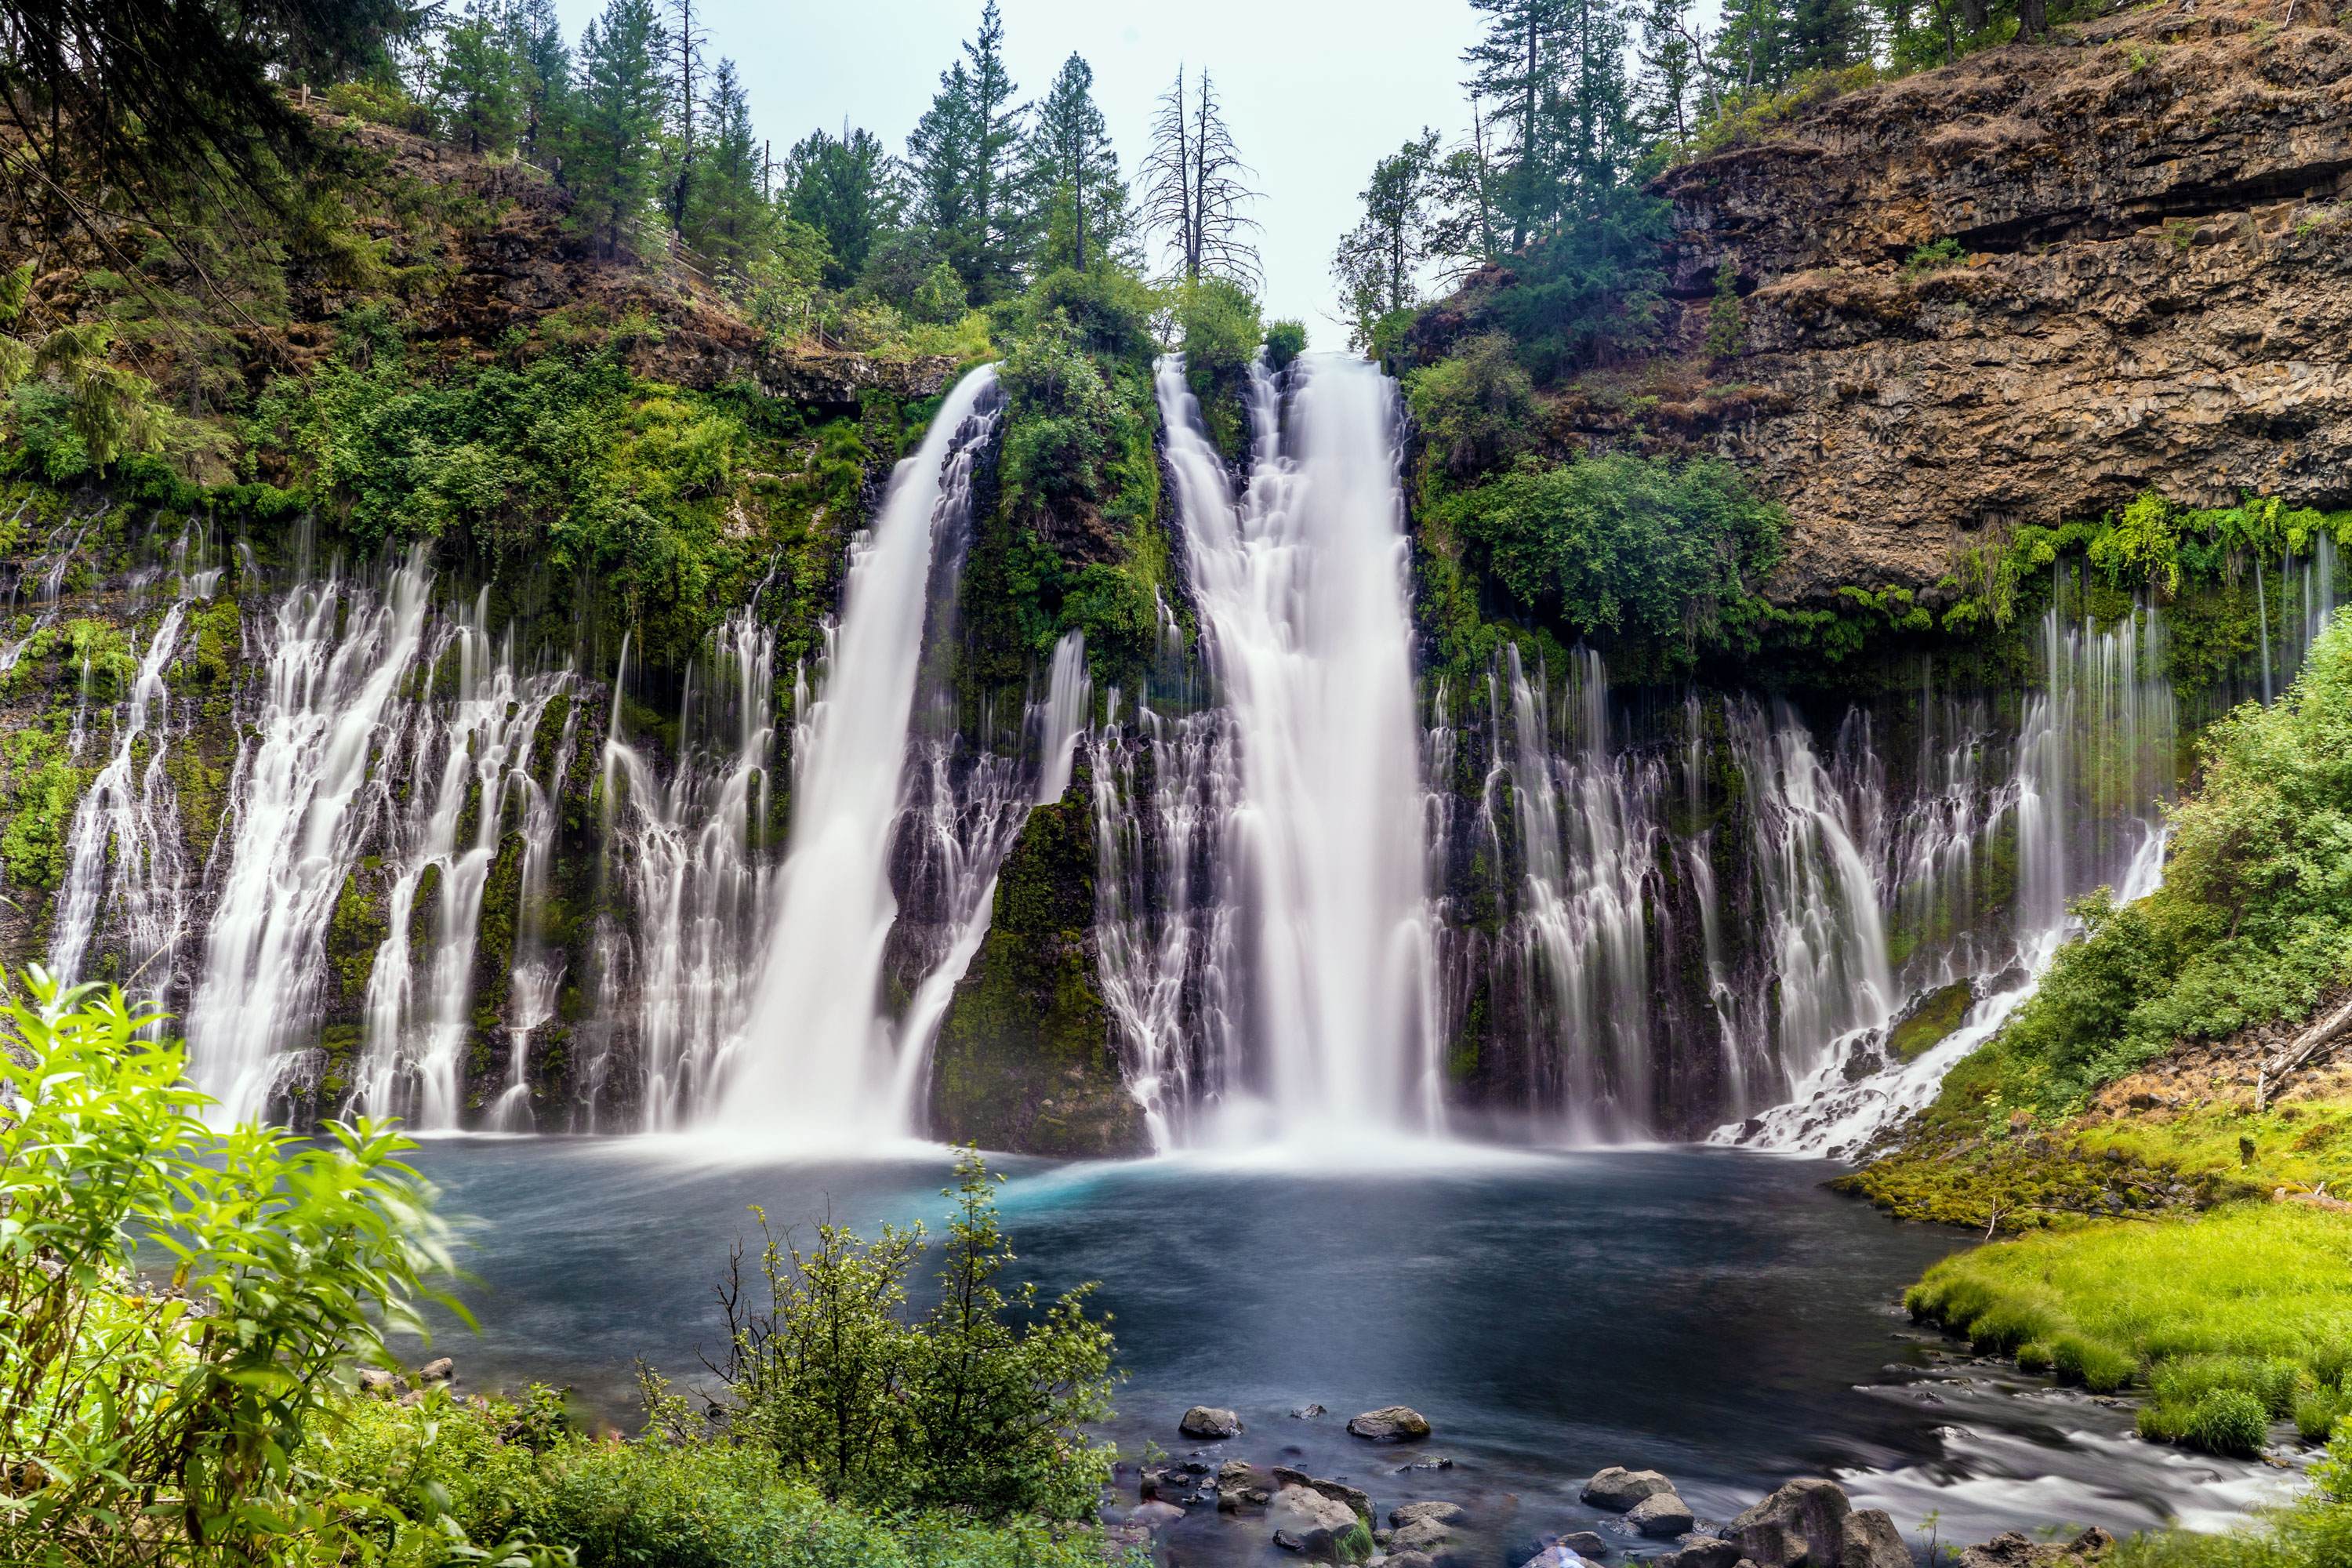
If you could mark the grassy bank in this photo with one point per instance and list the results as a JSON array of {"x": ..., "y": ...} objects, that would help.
[{"x": 2229, "y": 1319}]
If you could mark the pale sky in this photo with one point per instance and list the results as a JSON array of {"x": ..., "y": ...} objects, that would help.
[{"x": 1316, "y": 91}]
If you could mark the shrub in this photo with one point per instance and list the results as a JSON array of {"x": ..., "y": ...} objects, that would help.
[
  {"x": 1217, "y": 325},
  {"x": 1933, "y": 256},
  {"x": 1111, "y": 309},
  {"x": 1476, "y": 410},
  {"x": 1617, "y": 543},
  {"x": 1285, "y": 341},
  {"x": 141, "y": 1413},
  {"x": 1061, "y": 419},
  {"x": 958, "y": 1408},
  {"x": 2317, "y": 1410}
]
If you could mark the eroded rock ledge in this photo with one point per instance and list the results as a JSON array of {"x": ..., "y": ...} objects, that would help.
[{"x": 2156, "y": 289}]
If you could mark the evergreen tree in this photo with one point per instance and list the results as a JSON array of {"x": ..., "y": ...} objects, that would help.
[
  {"x": 1464, "y": 210},
  {"x": 1596, "y": 138},
  {"x": 1379, "y": 261},
  {"x": 1828, "y": 35},
  {"x": 1672, "y": 90},
  {"x": 730, "y": 219},
  {"x": 841, "y": 187},
  {"x": 543, "y": 65},
  {"x": 612, "y": 165},
  {"x": 476, "y": 82},
  {"x": 686, "y": 38},
  {"x": 1517, "y": 65},
  {"x": 1196, "y": 189},
  {"x": 1076, "y": 201},
  {"x": 942, "y": 153},
  {"x": 1751, "y": 47}
]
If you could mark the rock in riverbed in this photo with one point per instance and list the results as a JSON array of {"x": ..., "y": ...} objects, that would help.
[
  {"x": 1811, "y": 1523},
  {"x": 1390, "y": 1424},
  {"x": 1209, "y": 1423},
  {"x": 1662, "y": 1516},
  {"x": 1306, "y": 1522},
  {"x": 1703, "y": 1552},
  {"x": 1619, "y": 1489}
]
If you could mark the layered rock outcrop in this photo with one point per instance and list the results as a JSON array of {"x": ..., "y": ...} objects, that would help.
[{"x": 2152, "y": 289}]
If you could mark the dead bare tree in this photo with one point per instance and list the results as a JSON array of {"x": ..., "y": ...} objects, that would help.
[{"x": 1196, "y": 187}]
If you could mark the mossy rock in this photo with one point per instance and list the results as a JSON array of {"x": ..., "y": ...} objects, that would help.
[
  {"x": 1931, "y": 1022},
  {"x": 1025, "y": 1060}
]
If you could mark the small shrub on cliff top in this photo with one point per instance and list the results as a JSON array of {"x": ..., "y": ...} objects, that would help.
[
  {"x": 1933, "y": 257},
  {"x": 1285, "y": 341}
]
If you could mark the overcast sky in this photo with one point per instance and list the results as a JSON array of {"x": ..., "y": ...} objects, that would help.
[{"x": 1315, "y": 90}]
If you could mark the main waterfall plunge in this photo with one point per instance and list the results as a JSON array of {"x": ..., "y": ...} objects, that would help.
[{"x": 471, "y": 883}]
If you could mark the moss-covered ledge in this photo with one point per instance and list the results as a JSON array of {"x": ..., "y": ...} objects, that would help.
[{"x": 1025, "y": 1060}]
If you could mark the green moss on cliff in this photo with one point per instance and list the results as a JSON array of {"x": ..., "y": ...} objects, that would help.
[
  {"x": 1025, "y": 1059},
  {"x": 40, "y": 786}
]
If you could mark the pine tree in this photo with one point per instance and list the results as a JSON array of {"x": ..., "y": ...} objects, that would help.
[
  {"x": 941, "y": 154},
  {"x": 1517, "y": 64},
  {"x": 543, "y": 65},
  {"x": 1751, "y": 47},
  {"x": 730, "y": 219},
  {"x": 995, "y": 145},
  {"x": 1076, "y": 201},
  {"x": 1673, "y": 91},
  {"x": 620, "y": 105},
  {"x": 474, "y": 82},
  {"x": 1378, "y": 262},
  {"x": 1828, "y": 35},
  {"x": 1595, "y": 135},
  {"x": 686, "y": 37},
  {"x": 1196, "y": 189},
  {"x": 841, "y": 187}
]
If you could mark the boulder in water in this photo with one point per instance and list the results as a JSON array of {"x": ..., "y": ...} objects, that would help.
[
  {"x": 1154, "y": 1515},
  {"x": 1324, "y": 1527},
  {"x": 1810, "y": 1524},
  {"x": 1308, "y": 1412},
  {"x": 1442, "y": 1512},
  {"x": 1390, "y": 1424},
  {"x": 1662, "y": 1516},
  {"x": 1243, "y": 1488},
  {"x": 1356, "y": 1498},
  {"x": 378, "y": 1383},
  {"x": 1209, "y": 1423},
  {"x": 437, "y": 1370},
  {"x": 1703, "y": 1552},
  {"x": 1618, "y": 1490}
]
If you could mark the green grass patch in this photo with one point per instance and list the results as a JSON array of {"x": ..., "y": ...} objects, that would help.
[{"x": 2232, "y": 1320}]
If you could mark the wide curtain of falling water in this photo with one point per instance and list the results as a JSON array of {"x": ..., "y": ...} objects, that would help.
[
  {"x": 1300, "y": 585},
  {"x": 813, "y": 1059}
]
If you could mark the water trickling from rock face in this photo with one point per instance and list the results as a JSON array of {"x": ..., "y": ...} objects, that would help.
[
  {"x": 813, "y": 1059},
  {"x": 471, "y": 768},
  {"x": 126, "y": 863},
  {"x": 304, "y": 798},
  {"x": 1300, "y": 588}
]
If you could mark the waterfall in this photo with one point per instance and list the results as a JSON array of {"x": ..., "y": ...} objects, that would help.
[
  {"x": 811, "y": 1056},
  {"x": 686, "y": 856},
  {"x": 1589, "y": 825},
  {"x": 1300, "y": 588},
  {"x": 124, "y": 850},
  {"x": 471, "y": 756},
  {"x": 2094, "y": 764},
  {"x": 303, "y": 799},
  {"x": 538, "y": 972},
  {"x": 1069, "y": 694}
]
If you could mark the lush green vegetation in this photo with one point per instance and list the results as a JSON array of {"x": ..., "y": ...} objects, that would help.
[
  {"x": 2315, "y": 1531},
  {"x": 180, "y": 1307},
  {"x": 2232, "y": 1320}
]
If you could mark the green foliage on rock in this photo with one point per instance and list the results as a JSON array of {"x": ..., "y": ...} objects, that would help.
[
  {"x": 1633, "y": 547},
  {"x": 1927, "y": 1024},
  {"x": 1285, "y": 341},
  {"x": 40, "y": 784},
  {"x": 1476, "y": 410},
  {"x": 1025, "y": 1059}
]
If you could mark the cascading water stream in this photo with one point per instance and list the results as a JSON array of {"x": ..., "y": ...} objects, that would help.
[
  {"x": 1300, "y": 588},
  {"x": 304, "y": 797},
  {"x": 812, "y": 1061},
  {"x": 472, "y": 755},
  {"x": 124, "y": 850}
]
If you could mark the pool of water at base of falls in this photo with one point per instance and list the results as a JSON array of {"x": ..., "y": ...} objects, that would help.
[{"x": 1711, "y": 1313}]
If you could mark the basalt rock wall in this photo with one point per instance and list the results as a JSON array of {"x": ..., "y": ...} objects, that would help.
[{"x": 2152, "y": 289}]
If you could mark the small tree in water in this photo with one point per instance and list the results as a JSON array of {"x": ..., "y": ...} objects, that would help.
[{"x": 978, "y": 1404}]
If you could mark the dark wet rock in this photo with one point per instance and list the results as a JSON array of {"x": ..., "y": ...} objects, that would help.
[
  {"x": 1243, "y": 1488},
  {"x": 1154, "y": 1515},
  {"x": 1430, "y": 1535},
  {"x": 1207, "y": 1421},
  {"x": 1307, "y": 1521},
  {"x": 2015, "y": 1551},
  {"x": 439, "y": 1370},
  {"x": 1425, "y": 1462},
  {"x": 1703, "y": 1552},
  {"x": 1619, "y": 1489},
  {"x": 1409, "y": 1559},
  {"x": 1356, "y": 1498},
  {"x": 1810, "y": 1524},
  {"x": 375, "y": 1381},
  {"x": 1442, "y": 1512},
  {"x": 1662, "y": 1516},
  {"x": 1308, "y": 1413},
  {"x": 1585, "y": 1543},
  {"x": 1390, "y": 1424}
]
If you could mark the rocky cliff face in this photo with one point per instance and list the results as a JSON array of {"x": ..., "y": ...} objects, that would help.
[{"x": 2153, "y": 289}]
